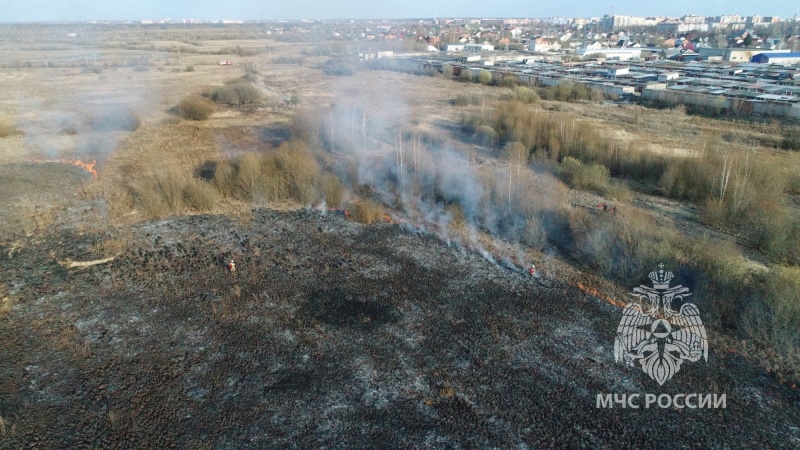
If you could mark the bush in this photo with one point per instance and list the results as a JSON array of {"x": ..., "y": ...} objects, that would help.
[
  {"x": 465, "y": 75},
  {"x": 237, "y": 93},
  {"x": 534, "y": 234},
  {"x": 189, "y": 68},
  {"x": 200, "y": 196},
  {"x": 332, "y": 189},
  {"x": 773, "y": 320},
  {"x": 486, "y": 135},
  {"x": 287, "y": 173},
  {"x": 468, "y": 100},
  {"x": 195, "y": 108},
  {"x": 160, "y": 194},
  {"x": 525, "y": 95},
  {"x": 509, "y": 82},
  {"x": 224, "y": 178},
  {"x": 368, "y": 211},
  {"x": 447, "y": 72},
  {"x": 339, "y": 68},
  {"x": 484, "y": 77},
  {"x": 580, "y": 176}
]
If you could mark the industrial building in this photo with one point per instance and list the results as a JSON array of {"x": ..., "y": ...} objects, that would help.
[{"x": 783, "y": 59}]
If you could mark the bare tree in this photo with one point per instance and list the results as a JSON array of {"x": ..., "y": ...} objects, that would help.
[{"x": 517, "y": 156}]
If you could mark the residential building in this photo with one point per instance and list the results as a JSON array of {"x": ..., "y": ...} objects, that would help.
[{"x": 542, "y": 45}]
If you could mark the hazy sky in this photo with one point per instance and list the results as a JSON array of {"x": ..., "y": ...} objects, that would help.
[{"x": 44, "y": 10}]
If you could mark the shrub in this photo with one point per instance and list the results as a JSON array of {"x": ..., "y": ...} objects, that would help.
[
  {"x": 160, "y": 194},
  {"x": 484, "y": 77},
  {"x": 534, "y": 234},
  {"x": 525, "y": 95},
  {"x": 237, "y": 93},
  {"x": 773, "y": 320},
  {"x": 465, "y": 75},
  {"x": 195, "y": 108},
  {"x": 593, "y": 177},
  {"x": 249, "y": 176},
  {"x": 339, "y": 68},
  {"x": 624, "y": 248},
  {"x": 332, "y": 189},
  {"x": 447, "y": 72},
  {"x": 224, "y": 178},
  {"x": 368, "y": 211},
  {"x": 200, "y": 196},
  {"x": 509, "y": 82},
  {"x": 189, "y": 68},
  {"x": 486, "y": 135},
  {"x": 287, "y": 173},
  {"x": 468, "y": 100}
]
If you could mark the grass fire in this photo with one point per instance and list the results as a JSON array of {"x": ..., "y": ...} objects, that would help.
[
  {"x": 305, "y": 249},
  {"x": 88, "y": 166}
]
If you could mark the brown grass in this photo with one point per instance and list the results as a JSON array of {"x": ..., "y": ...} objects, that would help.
[
  {"x": 368, "y": 211},
  {"x": 239, "y": 92},
  {"x": 6, "y": 303},
  {"x": 195, "y": 108},
  {"x": 332, "y": 189}
]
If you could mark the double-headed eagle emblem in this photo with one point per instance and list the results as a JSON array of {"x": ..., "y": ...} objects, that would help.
[{"x": 658, "y": 336}]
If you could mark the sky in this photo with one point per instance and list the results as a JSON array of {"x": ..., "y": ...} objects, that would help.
[{"x": 78, "y": 10}]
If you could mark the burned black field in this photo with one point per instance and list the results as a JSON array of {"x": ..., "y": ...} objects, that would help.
[{"x": 334, "y": 334}]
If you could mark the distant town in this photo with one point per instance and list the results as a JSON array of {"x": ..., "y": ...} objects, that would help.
[{"x": 731, "y": 63}]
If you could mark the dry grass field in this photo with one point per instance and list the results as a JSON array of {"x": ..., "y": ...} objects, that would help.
[{"x": 99, "y": 270}]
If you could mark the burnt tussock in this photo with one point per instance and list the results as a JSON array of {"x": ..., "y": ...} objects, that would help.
[{"x": 331, "y": 334}]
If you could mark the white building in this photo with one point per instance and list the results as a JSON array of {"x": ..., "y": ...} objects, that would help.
[
  {"x": 544, "y": 45},
  {"x": 621, "y": 54}
]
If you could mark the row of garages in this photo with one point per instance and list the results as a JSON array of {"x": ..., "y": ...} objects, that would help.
[{"x": 627, "y": 80}]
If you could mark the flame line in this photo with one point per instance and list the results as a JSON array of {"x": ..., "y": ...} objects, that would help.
[
  {"x": 87, "y": 166},
  {"x": 595, "y": 293}
]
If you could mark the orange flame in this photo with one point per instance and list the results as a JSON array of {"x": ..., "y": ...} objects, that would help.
[
  {"x": 388, "y": 219},
  {"x": 595, "y": 293},
  {"x": 87, "y": 166}
]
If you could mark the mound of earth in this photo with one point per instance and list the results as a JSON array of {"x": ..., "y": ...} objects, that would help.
[{"x": 333, "y": 334}]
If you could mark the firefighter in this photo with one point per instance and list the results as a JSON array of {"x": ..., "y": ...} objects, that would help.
[
  {"x": 231, "y": 266},
  {"x": 532, "y": 270},
  {"x": 605, "y": 206}
]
